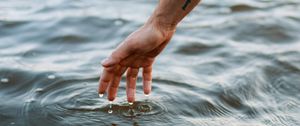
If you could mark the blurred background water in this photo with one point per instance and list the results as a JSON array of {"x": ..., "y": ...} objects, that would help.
[{"x": 231, "y": 62}]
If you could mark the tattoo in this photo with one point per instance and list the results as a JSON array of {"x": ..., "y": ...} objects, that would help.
[{"x": 186, "y": 3}]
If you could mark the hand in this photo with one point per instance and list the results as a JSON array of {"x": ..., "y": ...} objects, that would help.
[{"x": 138, "y": 50}]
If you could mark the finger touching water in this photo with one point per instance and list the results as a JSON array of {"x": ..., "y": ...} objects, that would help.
[
  {"x": 106, "y": 77},
  {"x": 147, "y": 79},
  {"x": 131, "y": 77},
  {"x": 114, "y": 84}
]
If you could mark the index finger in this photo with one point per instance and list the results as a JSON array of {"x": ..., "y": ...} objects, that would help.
[{"x": 105, "y": 78}]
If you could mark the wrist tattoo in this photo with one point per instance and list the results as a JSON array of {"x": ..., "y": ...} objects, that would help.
[{"x": 186, "y": 3}]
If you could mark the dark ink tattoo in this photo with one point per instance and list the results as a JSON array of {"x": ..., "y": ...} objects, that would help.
[{"x": 186, "y": 3}]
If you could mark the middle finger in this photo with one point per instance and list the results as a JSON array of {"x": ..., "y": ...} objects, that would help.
[
  {"x": 114, "y": 84},
  {"x": 131, "y": 77}
]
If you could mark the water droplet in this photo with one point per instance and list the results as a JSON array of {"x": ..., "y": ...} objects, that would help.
[
  {"x": 146, "y": 97},
  {"x": 118, "y": 22},
  {"x": 4, "y": 80},
  {"x": 110, "y": 111},
  {"x": 30, "y": 100},
  {"x": 100, "y": 95},
  {"x": 130, "y": 103},
  {"x": 39, "y": 90},
  {"x": 51, "y": 76},
  {"x": 110, "y": 107}
]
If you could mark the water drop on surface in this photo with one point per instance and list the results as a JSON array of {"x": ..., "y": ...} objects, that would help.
[
  {"x": 39, "y": 90},
  {"x": 30, "y": 100},
  {"x": 146, "y": 97},
  {"x": 110, "y": 107},
  {"x": 118, "y": 22},
  {"x": 4, "y": 80},
  {"x": 51, "y": 76}
]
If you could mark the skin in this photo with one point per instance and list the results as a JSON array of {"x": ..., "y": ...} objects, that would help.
[{"x": 140, "y": 48}]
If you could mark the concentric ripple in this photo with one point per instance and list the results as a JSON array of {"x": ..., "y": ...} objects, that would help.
[{"x": 77, "y": 99}]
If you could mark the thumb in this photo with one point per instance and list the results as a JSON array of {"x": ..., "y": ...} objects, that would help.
[
  {"x": 116, "y": 57},
  {"x": 108, "y": 62}
]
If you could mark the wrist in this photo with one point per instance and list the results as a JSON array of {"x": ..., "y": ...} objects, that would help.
[
  {"x": 162, "y": 24},
  {"x": 165, "y": 28}
]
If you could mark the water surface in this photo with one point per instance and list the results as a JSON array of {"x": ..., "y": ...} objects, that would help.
[{"x": 230, "y": 63}]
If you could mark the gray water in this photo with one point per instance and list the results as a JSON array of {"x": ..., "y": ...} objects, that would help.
[{"x": 234, "y": 63}]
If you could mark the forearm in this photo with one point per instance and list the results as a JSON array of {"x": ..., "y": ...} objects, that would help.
[{"x": 169, "y": 13}]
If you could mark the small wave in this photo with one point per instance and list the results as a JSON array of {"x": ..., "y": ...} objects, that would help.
[
  {"x": 242, "y": 8},
  {"x": 194, "y": 48}
]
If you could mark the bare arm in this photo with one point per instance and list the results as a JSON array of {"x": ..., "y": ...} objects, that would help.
[
  {"x": 170, "y": 12},
  {"x": 140, "y": 48}
]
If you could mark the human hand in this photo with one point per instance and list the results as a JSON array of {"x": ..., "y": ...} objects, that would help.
[{"x": 137, "y": 51}]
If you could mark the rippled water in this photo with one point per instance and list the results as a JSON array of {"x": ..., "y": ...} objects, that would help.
[{"x": 230, "y": 63}]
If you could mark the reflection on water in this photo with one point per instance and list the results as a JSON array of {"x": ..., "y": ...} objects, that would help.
[{"x": 230, "y": 63}]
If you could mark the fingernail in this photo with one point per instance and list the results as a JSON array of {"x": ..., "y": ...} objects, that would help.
[
  {"x": 100, "y": 95},
  {"x": 106, "y": 61}
]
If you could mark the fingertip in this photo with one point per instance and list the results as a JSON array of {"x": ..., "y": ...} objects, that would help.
[
  {"x": 112, "y": 93},
  {"x": 130, "y": 95},
  {"x": 111, "y": 98},
  {"x": 101, "y": 93},
  {"x": 102, "y": 87},
  {"x": 147, "y": 87},
  {"x": 130, "y": 99}
]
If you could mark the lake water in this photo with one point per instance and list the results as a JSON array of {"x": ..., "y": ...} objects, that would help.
[{"x": 231, "y": 62}]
